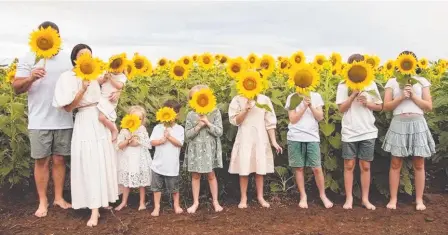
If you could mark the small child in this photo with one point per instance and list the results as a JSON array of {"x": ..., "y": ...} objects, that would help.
[
  {"x": 203, "y": 153},
  {"x": 303, "y": 144},
  {"x": 168, "y": 140},
  {"x": 112, "y": 82},
  {"x": 134, "y": 159}
]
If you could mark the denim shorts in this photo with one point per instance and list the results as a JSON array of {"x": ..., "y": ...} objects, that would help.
[
  {"x": 364, "y": 150},
  {"x": 160, "y": 182}
]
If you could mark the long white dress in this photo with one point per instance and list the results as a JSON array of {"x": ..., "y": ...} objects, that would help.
[{"x": 93, "y": 156}]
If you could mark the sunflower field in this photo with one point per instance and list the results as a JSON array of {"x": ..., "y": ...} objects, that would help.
[{"x": 151, "y": 84}]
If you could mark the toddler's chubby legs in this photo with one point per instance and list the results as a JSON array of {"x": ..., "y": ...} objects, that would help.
[
  {"x": 301, "y": 185},
  {"x": 196, "y": 183},
  {"x": 109, "y": 125},
  {"x": 124, "y": 199},
  {"x": 142, "y": 199},
  {"x": 320, "y": 182}
]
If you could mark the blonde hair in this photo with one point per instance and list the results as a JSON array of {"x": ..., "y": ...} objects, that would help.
[
  {"x": 195, "y": 89},
  {"x": 140, "y": 109}
]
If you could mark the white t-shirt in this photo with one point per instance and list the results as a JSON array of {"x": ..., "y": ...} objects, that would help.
[
  {"x": 307, "y": 128},
  {"x": 41, "y": 114},
  {"x": 358, "y": 122},
  {"x": 107, "y": 88},
  {"x": 166, "y": 157},
  {"x": 407, "y": 105}
]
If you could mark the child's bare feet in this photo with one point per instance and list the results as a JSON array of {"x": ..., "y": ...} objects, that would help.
[
  {"x": 327, "y": 203},
  {"x": 192, "y": 209},
  {"x": 121, "y": 206},
  {"x": 348, "y": 203},
  {"x": 218, "y": 208},
  {"x": 62, "y": 204},
  {"x": 142, "y": 207},
  {"x": 155, "y": 212},
  {"x": 93, "y": 221},
  {"x": 392, "y": 204},
  {"x": 263, "y": 202},
  {"x": 243, "y": 203},
  {"x": 420, "y": 206},
  {"x": 42, "y": 210},
  {"x": 178, "y": 210},
  {"x": 368, "y": 205},
  {"x": 303, "y": 203}
]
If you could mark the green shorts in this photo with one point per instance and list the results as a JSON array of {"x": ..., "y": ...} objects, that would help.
[
  {"x": 364, "y": 150},
  {"x": 45, "y": 143},
  {"x": 304, "y": 154}
]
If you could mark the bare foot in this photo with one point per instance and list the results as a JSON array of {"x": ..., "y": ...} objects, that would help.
[
  {"x": 263, "y": 203},
  {"x": 368, "y": 205},
  {"x": 93, "y": 221},
  {"x": 121, "y": 206},
  {"x": 303, "y": 203},
  {"x": 392, "y": 205},
  {"x": 42, "y": 210},
  {"x": 192, "y": 209},
  {"x": 142, "y": 207},
  {"x": 178, "y": 210},
  {"x": 327, "y": 203},
  {"x": 218, "y": 208},
  {"x": 348, "y": 203},
  {"x": 420, "y": 206},
  {"x": 243, "y": 203},
  {"x": 155, "y": 212},
  {"x": 62, "y": 203}
]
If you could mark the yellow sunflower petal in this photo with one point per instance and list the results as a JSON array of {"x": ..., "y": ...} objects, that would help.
[
  {"x": 203, "y": 101},
  {"x": 372, "y": 60},
  {"x": 284, "y": 65},
  {"x": 45, "y": 43},
  {"x": 130, "y": 71},
  {"x": 142, "y": 65}
]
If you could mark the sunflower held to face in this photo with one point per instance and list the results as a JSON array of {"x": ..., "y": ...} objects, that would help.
[
  {"x": 252, "y": 60},
  {"x": 179, "y": 71},
  {"x": 131, "y": 122},
  {"x": 117, "y": 63},
  {"x": 166, "y": 115},
  {"x": 304, "y": 78},
  {"x": 236, "y": 66},
  {"x": 203, "y": 101},
  {"x": 297, "y": 58},
  {"x": 206, "y": 61},
  {"x": 266, "y": 65},
  {"x": 45, "y": 42},
  {"x": 423, "y": 63},
  {"x": 87, "y": 67},
  {"x": 249, "y": 84},
  {"x": 358, "y": 75},
  {"x": 335, "y": 58},
  {"x": 406, "y": 64}
]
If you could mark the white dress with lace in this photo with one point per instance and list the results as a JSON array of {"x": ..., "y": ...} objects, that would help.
[{"x": 134, "y": 163}]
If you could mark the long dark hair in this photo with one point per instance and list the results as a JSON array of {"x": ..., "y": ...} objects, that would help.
[{"x": 75, "y": 51}]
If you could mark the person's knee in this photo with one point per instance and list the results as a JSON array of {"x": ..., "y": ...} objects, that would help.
[
  {"x": 42, "y": 163},
  {"x": 101, "y": 117},
  {"x": 317, "y": 170},
  {"x": 419, "y": 165},
  {"x": 364, "y": 166},
  {"x": 299, "y": 170},
  {"x": 196, "y": 176},
  {"x": 395, "y": 164},
  {"x": 211, "y": 176},
  {"x": 349, "y": 165},
  {"x": 58, "y": 160}
]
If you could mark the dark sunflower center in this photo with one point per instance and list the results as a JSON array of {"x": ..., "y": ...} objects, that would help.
[
  {"x": 334, "y": 72},
  {"x": 162, "y": 62},
  {"x": 206, "y": 60},
  {"x": 236, "y": 68},
  {"x": 179, "y": 70},
  {"x": 87, "y": 68},
  {"x": 334, "y": 61},
  {"x": 223, "y": 60},
  {"x": 389, "y": 66},
  {"x": 423, "y": 62},
  {"x": 116, "y": 63},
  {"x": 357, "y": 74},
  {"x": 252, "y": 60},
  {"x": 320, "y": 61},
  {"x": 139, "y": 63},
  {"x": 283, "y": 64},
  {"x": 129, "y": 69},
  {"x": 186, "y": 61},
  {"x": 303, "y": 78},
  {"x": 166, "y": 116},
  {"x": 407, "y": 64},
  {"x": 45, "y": 43},
  {"x": 298, "y": 59},
  {"x": 131, "y": 123},
  {"x": 203, "y": 100},
  {"x": 249, "y": 83},
  {"x": 264, "y": 64}
]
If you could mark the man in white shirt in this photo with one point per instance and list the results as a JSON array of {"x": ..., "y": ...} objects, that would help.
[{"x": 50, "y": 129}]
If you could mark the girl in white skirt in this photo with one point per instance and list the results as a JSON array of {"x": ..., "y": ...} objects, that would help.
[
  {"x": 134, "y": 160},
  {"x": 408, "y": 134}
]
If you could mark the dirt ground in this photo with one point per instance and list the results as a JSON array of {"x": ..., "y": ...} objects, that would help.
[{"x": 284, "y": 217}]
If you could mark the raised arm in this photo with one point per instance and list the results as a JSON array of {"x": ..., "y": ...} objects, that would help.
[
  {"x": 26, "y": 76},
  {"x": 70, "y": 107}
]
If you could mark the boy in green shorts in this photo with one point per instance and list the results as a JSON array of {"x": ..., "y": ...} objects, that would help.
[{"x": 303, "y": 144}]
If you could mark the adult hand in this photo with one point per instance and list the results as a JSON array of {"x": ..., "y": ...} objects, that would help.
[
  {"x": 277, "y": 147},
  {"x": 85, "y": 85},
  {"x": 38, "y": 73},
  {"x": 114, "y": 96}
]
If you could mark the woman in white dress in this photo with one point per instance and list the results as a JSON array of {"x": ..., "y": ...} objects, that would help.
[{"x": 93, "y": 157}]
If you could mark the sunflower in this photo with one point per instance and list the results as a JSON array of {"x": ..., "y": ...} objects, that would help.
[
  {"x": 217, "y": 57},
  {"x": 203, "y": 101},
  {"x": 249, "y": 84},
  {"x": 336, "y": 70},
  {"x": 297, "y": 58},
  {"x": 304, "y": 78},
  {"x": 279, "y": 58},
  {"x": 45, "y": 43},
  {"x": 206, "y": 61},
  {"x": 179, "y": 71},
  {"x": 443, "y": 63},
  {"x": 283, "y": 65},
  {"x": 358, "y": 75},
  {"x": 389, "y": 66},
  {"x": 335, "y": 58},
  {"x": 142, "y": 64},
  {"x": 252, "y": 60},
  {"x": 374, "y": 61},
  {"x": 117, "y": 63},
  {"x": 223, "y": 59},
  {"x": 406, "y": 64},
  {"x": 88, "y": 68},
  {"x": 187, "y": 61},
  {"x": 423, "y": 63},
  {"x": 162, "y": 63},
  {"x": 130, "y": 70},
  {"x": 267, "y": 65},
  {"x": 236, "y": 66},
  {"x": 131, "y": 122},
  {"x": 10, "y": 76},
  {"x": 166, "y": 115},
  {"x": 195, "y": 57},
  {"x": 319, "y": 60}
]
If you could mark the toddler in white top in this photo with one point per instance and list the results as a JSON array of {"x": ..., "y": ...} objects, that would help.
[{"x": 112, "y": 82}]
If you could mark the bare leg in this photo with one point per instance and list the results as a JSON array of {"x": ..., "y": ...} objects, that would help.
[
  {"x": 244, "y": 181},
  {"x": 419, "y": 175},
  {"x": 59, "y": 179},
  {"x": 142, "y": 199},
  {"x": 177, "y": 208},
  {"x": 320, "y": 182},
  {"x": 349, "y": 166},
  {"x": 124, "y": 199},
  {"x": 41, "y": 176},
  {"x": 365, "y": 184},
  {"x": 157, "y": 196},
  {"x": 93, "y": 221},
  {"x": 300, "y": 181},
  {"x": 259, "y": 183},
  {"x": 213, "y": 183},
  {"x": 394, "y": 181},
  {"x": 195, "y": 187},
  {"x": 109, "y": 125}
]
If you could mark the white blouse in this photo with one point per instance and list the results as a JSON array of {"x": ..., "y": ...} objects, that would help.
[{"x": 407, "y": 105}]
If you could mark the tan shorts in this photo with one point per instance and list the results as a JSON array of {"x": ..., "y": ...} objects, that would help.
[{"x": 45, "y": 143}]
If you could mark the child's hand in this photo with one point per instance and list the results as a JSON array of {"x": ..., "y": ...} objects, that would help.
[
  {"x": 362, "y": 99},
  {"x": 204, "y": 120},
  {"x": 166, "y": 133},
  {"x": 307, "y": 101}
]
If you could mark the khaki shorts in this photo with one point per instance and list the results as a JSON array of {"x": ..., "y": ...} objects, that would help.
[{"x": 45, "y": 143}]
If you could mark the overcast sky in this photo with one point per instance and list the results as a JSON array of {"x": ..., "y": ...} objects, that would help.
[{"x": 172, "y": 29}]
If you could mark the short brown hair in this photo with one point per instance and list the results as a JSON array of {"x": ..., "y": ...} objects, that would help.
[
  {"x": 50, "y": 24},
  {"x": 355, "y": 58},
  {"x": 172, "y": 104}
]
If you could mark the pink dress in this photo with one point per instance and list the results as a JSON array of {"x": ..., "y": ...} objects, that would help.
[{"x": 252, "y": 150}]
